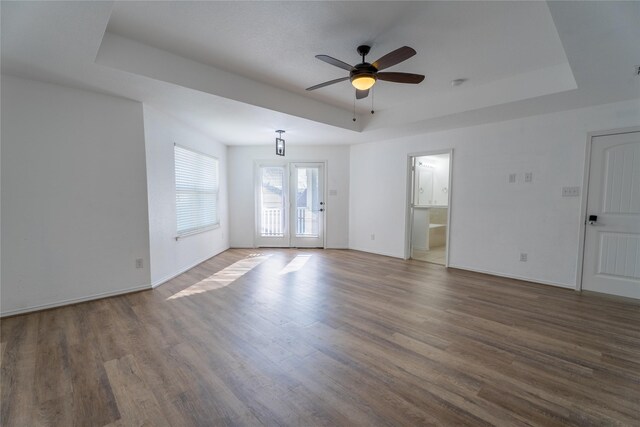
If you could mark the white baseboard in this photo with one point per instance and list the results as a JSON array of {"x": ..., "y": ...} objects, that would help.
[
  {"x": 165, "y": 279},
  {"x": 73, "y": 301},
  {"x": 103, "y": 294},
  {"x": 513, "y": 276},
  {"x": 376, "y": 252},
  {"x": 287, "y": 247},
  {"x": 493, "y": 273}
]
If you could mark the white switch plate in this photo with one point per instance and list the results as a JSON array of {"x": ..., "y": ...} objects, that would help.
[
  {"x": 523, "y": 257},
  {"x": 528, "y": 177},
  {"x": 512, "y": 178},
  {"x": 139, "y": 263},
  {"x": 570, "y": 191},
  {"x": 333, "y": 192}
]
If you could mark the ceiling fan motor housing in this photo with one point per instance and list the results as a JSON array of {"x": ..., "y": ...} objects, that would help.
[{"x": 364, "y": 69}]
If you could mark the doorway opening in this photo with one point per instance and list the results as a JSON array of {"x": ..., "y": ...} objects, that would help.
[
  {"x": 290, "y": 208},
  {"x": 429, "y": 207}
]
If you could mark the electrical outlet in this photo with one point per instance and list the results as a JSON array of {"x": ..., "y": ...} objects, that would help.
[
  {"x": 570, "y": 191},
  {"x": 523, "y": 257},
  {"x": 139, "y": 263},
  {"x": 512, "y": 178},
  {"x": 373, "y": 237},
  {"x": 528, "y": 177}
]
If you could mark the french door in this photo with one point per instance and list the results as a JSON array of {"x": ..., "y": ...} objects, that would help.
[{"x": 290, "y": 205}]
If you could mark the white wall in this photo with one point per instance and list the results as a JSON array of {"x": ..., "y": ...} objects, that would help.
[
  {"x": 492, "y": 221},
  {"x": 74, "y": 198},
  {"x": 242, "y": 194},
  {"x": 170, "y": 257}
]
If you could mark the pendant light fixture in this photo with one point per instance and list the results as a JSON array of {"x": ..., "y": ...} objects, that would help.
[{"x": 279, "y": 143}]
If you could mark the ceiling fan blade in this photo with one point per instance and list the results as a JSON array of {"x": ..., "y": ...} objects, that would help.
[
  {"x": 393, "y": 58},
  {"x": 360, "y": 94},
  {"x": 330, "y": 82},
  {"x": 336, "y": 62},
  {"x": 401, "y": 77}
]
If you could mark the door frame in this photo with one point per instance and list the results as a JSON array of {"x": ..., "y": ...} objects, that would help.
[
  {"x": 409, "y": 198},
  {"x": 287, "y": 164},
  {"x": 585, "y": 195}
]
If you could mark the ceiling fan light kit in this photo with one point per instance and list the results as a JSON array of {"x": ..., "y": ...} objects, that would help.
[
  {"x": 363, "y": 81},
  {"x": 364, "y": 75}
]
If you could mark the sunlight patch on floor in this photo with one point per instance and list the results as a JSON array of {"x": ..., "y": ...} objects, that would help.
[
  {"x": 223, "y": 277},
  {"x": 296, "y": 264}
]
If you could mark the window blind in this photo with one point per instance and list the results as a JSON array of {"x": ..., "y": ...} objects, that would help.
[{"x": 196, "y": 191}]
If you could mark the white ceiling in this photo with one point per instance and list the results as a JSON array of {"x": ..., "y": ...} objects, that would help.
[
  {"x": 238, "y": 70},
  {"x": 275, "y": 42}
]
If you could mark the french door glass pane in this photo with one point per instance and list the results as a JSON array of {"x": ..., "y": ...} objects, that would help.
[
  {"x": 272, "y": 201},
  {"x": 307, "y": 202}
]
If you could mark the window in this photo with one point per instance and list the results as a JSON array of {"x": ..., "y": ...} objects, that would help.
[{"x": 196, "y": 191}]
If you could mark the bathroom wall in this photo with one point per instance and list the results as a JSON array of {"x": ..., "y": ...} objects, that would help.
[
  {"x": 438, "y": 215},
  {"x": 419, "y": 229}
]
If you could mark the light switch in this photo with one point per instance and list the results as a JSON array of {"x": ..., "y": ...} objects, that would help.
[{"x": 570, "y": 191}]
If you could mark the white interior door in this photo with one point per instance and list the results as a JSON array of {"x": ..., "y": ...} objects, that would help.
[
  {"x": 612, "y": 239},
  {"x": 307, "y": 205}
]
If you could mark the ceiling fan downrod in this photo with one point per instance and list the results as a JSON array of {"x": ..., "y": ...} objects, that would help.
[{"x": 363, "y": 50}]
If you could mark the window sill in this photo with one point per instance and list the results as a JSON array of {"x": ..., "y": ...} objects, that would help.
[{"x": 198, "y": 231}]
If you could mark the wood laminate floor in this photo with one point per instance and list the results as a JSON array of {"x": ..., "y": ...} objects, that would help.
[{"x": 339, "y": 338}]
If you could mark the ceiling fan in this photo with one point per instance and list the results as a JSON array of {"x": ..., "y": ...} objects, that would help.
[{"x": 364, "y": 75}]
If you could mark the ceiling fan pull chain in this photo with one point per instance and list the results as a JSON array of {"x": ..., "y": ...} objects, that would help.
[
  {"x": 354, "y": 108},
  {"x": 372, "y": 94}
]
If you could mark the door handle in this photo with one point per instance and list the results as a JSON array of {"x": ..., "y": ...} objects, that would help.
[{"x": 593, "y": 219}]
